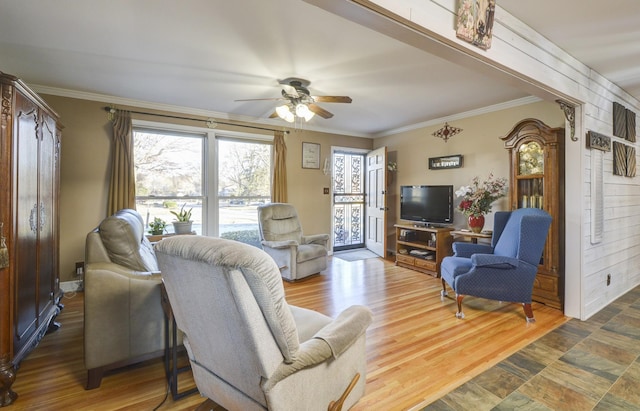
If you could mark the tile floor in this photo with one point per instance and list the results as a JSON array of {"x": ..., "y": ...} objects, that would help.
[{"x": 582, "y": 365}]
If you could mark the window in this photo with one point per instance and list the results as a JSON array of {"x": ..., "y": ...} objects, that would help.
[
  {"x": 244, "y": 182},
  {"x": 169, "y": 175},
  {"x": 222, "y": 178}
]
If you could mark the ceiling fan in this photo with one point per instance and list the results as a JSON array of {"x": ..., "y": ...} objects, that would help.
[{"x": 299, "y": 102}]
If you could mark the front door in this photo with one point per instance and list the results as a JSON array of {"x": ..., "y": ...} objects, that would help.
[
  {"x": 376, "y": 196},
  {"x": 348, "y": 174}
]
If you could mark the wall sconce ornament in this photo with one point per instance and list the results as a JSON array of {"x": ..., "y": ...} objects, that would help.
[
  {"x": 446, "y": 132},
  {"x": 570, "y": 115}
]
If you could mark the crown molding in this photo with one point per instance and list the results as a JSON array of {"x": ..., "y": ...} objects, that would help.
[
  {"x": 109, "y": 99},
  {"x": 459, "y": 116}
]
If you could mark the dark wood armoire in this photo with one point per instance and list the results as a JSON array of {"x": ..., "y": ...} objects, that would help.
[
  {"x": 537, "y": 180},
  {"x": 29, "y": 189}
]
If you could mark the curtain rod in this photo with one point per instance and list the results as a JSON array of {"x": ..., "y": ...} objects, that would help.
[{"x": 211, "y": 122}]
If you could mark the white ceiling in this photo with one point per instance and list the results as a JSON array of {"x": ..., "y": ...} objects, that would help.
[{"x": 204, "y": 54}]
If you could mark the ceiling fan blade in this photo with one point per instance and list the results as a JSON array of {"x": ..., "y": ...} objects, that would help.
[
  {"x": 332, "y": 99},
  {"x": 261, "y": 99},
  {"x": 320, "y": 111}
]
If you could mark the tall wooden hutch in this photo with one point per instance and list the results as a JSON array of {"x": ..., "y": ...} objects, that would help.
[
  {"x": 29, "y": 187},
  {"x": 537, "y": 180}
]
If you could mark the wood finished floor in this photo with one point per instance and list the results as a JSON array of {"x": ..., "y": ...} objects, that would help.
[{"x": 417, "y": 351}]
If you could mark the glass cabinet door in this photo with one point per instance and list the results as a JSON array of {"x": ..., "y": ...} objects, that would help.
[{"x": 530, "y": 175}]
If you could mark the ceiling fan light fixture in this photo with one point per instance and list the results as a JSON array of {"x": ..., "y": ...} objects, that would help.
[
  {"x": 301, "y": 110},
  {"x": 308, "y": 116},
  {"x": 284, "y": 112}
]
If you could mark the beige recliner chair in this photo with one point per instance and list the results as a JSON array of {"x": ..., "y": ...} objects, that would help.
[
  {"x": 249, "y": 349},
  {"x": 298, "y": 256},
  {"x": 123, "y": 317}
]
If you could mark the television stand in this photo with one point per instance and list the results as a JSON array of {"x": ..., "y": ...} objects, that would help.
[{"x": 422, "y": 248}]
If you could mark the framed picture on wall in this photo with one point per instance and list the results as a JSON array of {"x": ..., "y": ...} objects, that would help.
[{"x": 310, "y": 155}]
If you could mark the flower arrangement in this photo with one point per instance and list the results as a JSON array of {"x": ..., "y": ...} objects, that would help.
[{"x": 478, "y": 197}]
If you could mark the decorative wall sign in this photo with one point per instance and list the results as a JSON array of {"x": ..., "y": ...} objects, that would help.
[
  {"x": 475, "y": 22},
  {"x": 619, "y": 159},
  {"x": 631, "y": 161},
  {"x": 439, "y": 163},
  {"x": 619, "y": 120},
  {"x": 598, "y": 141},
  {"x": 446, "y": 132},
  {"x": 631, "y": 126},
  {"x": 624, "y": 160},
  {"x": 310, "y": 155},
  {"x": 624, "y": 122}
]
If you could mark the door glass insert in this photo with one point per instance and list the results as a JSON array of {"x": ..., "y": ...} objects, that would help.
[{"x": 348, "y": 200}]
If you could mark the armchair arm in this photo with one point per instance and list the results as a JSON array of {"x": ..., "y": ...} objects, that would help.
[
  {"x": 321, "y": 239},
  {"x": 330, "y": 341},
  {"x": 312, "y": 352},
  {"x": 119, "y": 306},
  {"x": 113, "y": 268},
  {"x": 466, "y": 250},
  {"x": 494, "y": 261},
  {"x": 345, "y": 329},
  {"x": 280, "y": 244}
]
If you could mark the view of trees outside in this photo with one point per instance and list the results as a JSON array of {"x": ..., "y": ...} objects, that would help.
[
  {"x": 169, "y": 174},
  {"x": 244, "y": 182}
]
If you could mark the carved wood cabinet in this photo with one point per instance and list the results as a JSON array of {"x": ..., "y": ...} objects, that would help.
[
  {"x": 537, "y": 180},
  {"x": 29, "y": 186}
]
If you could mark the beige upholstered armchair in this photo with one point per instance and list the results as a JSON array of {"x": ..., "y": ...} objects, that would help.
[
  {"x": 296, "y": 255},
  {"x": 249, "y": 349},
  {"x": 123, "y": 317}
]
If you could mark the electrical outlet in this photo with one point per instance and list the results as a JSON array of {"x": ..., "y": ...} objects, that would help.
[
  {"x": 325, "y": 190},
  {"x": 79, "y": 268},
  {"x": 608, "y": 279}
]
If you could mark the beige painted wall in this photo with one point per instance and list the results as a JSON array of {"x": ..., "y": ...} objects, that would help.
[
  {"x": 306, "y": 185},
  {"x": 85, "y": 174},
  {"x": 86, "y": 147},
  {"x": 480, "y": 144}
]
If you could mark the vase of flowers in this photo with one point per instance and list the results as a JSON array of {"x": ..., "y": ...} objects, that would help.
[{"x": 478, "y": 197}]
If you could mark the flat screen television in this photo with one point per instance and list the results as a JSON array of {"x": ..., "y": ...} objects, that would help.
[{"x": 427, "y": 204}]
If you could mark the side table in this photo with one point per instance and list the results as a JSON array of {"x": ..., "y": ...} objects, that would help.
[
  {"x": 171, "y": 349},
  {"x": 470, "y": 234}
]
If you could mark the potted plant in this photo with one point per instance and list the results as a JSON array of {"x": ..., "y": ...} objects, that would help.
[
  {"x": 183, "y": 223},
  {"x": 157, "y": 226}
]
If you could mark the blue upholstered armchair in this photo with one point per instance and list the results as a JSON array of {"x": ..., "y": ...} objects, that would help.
[{"x": 504, "y": 270}]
